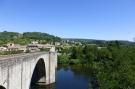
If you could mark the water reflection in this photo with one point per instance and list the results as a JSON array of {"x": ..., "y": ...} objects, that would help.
[
  {"x": 51, "y": 86},
  {"x": 71, "y": 77}
]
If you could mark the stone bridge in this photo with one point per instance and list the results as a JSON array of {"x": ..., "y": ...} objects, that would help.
[{"x": 22, "y": 71}]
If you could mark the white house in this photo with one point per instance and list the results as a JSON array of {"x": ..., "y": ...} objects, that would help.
[{"x": 3, "y": 49}]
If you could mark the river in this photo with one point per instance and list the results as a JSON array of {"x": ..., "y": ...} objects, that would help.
[{"x": 70, "y": 77}]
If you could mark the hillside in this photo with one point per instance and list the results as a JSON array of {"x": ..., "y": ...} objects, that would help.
[{"x": 26, "y": 37}]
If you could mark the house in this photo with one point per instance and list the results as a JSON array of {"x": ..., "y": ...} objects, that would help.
[
  {"x": 40, "y": 46},
  {"x": 34, "y": 42},
  {"x": 3, "y": 49},
  {"x": 57, "y": 43},
  {"x": 12, "y": 47},
  {"x": 52, "y": 49},
  {"x": 101, "y": 48},
  {"x": 10, "y": 44},
  {"x": 32, "y": 48},
  {"x": 23, "y": 48},
  {"x": 16, "y": 47}
]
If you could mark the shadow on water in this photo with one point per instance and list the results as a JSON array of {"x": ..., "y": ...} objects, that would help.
[
  {"x": 72, "y": 77},
  {"x": 51, "y": 86}
]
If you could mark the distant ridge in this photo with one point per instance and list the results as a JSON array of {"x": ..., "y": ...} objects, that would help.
[{"x": 96, "y": 41}]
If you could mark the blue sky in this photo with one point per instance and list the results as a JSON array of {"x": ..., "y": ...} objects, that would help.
[{"x": 93, "y": 19}]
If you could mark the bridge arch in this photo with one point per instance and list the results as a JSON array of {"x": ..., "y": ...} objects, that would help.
[
  {"x": 1, "y": 87},
  {"x": 39, "y": 73}
]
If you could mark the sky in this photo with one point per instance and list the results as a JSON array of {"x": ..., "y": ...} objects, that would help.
[{"x": 91, "y": 19}]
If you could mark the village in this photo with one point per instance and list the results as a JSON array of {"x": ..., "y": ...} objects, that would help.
[{"x": 34, "y": 46}]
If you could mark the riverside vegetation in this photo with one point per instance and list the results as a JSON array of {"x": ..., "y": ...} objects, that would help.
[{"x": 113, "y": 65}]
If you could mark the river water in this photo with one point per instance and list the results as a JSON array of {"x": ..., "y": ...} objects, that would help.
[{"x": 70, "y": 77}]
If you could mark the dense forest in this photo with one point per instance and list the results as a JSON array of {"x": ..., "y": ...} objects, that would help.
[
  {"x": 26, "y": 37},
  {"x": 112, "y": 65}
]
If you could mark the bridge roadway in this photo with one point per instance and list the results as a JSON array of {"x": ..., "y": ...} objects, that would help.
[{"x": 22, "y": 71}]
